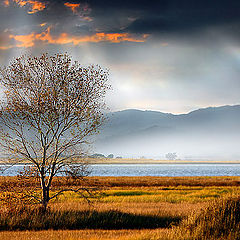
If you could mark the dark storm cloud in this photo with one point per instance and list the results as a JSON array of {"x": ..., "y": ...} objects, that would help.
[
  {"x": 15, "y": 16},
  {"x": 124, "y": 4},
  {"x": 187, "y": 16},
  {"x": 163, "y": 54},
  {"x": 158, "y": 17},
  {"x": 135, "y": 16},
  {"x": 161, "y": 16}
]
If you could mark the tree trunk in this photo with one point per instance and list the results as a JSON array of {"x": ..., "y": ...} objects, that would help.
[
  {"x": 45, "y": 198},
  {"x": 45, "y": 191}
]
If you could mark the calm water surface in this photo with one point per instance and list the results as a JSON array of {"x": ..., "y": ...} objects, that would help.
[{"x": 170, "y": 170}]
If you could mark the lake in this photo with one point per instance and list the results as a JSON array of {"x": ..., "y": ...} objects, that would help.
[{"x": 166, "y": 170}]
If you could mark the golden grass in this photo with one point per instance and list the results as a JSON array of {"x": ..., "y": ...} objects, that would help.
[
  {"x": 157, "y": 194},
  {"x": 220, "y": 220},
  {"x": 142, "y": 196},
  {"x": 164, "y": 181},
  {"x": 83, "y": 234},
  {"x": 130, "y": 181},
  {"x": 152, "y": 209}
]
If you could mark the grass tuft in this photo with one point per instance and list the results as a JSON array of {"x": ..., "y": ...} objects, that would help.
[
  {"x": 35, "y": 219},
  {"x": 220, "y": 220}
]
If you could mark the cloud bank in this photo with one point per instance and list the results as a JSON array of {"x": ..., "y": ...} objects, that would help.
[{"x": 166, "y": 55}]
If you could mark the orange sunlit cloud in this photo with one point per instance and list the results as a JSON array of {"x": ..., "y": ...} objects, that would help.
[
  {"x": 6, "y": 3},
  {"x": 5, "y": 47},
  {"x": 42, "y": 24},
  {"x": 72, "y": 6},
  {"x": 64, "y": 38},
  {"x": 83, "y": 10},
  {"x": 26, "y": 40},
  {"x": 35, "y": 6}
]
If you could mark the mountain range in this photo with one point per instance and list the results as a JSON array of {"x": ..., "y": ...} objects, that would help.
[{"x": 212, "y": 132}]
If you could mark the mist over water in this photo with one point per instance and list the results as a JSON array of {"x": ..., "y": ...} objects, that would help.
[
  {"x": 187, "y": 147},
  {"x": 205, "y": 134}
]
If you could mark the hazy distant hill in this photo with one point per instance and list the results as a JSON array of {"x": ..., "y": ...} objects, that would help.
[{"x": 211, "y": 132}]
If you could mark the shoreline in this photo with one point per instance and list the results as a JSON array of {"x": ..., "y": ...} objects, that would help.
[
  {"x": 163, "y": 163},
  {"x": 126, "y": 161},
  {"x": 151, "y": 161}
]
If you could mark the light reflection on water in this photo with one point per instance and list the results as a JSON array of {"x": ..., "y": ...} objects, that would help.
[{"x": 168, "y": 170}]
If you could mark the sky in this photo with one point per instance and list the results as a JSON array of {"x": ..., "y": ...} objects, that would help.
[{"x": 166, "y": 55}]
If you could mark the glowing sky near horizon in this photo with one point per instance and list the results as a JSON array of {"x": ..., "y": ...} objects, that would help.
[{"x": 167, "y": 55}]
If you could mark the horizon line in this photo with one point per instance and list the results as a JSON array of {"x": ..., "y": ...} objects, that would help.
[{"x": 180, "y": 113}]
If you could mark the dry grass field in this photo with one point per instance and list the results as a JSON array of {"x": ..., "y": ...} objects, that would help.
[{"x": 127, "y": 208}]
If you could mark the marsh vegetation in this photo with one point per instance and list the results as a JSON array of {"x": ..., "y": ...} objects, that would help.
[{"x": 129, "y": 208}]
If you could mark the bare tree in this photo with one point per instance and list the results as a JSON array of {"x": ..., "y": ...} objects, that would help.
[{"x": 51, "y": 106}]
